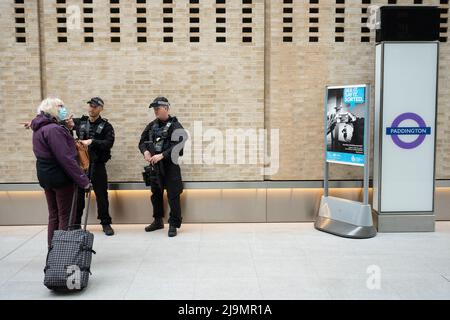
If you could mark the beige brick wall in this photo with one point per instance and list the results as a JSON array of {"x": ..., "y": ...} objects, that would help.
[
  {"x": 19, "y": 90},
  {"x": 220, "y": 84},
  {"x": 299, "y": 71},
  {"x": 265, "y": 83}
]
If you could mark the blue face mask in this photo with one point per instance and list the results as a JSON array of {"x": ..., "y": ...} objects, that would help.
[{"x": 62, "y": 113}]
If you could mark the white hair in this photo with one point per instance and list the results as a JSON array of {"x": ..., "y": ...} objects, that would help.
[{"x": 50, "y": 106}]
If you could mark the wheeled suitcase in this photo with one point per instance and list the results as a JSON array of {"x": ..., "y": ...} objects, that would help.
[{"x": 70, "y": 254}]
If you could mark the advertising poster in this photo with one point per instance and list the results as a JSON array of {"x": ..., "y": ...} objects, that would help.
[{"x": 346, "y": 109}]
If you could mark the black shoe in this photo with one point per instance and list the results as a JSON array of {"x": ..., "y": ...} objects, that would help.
[
  {"x": 172, "y": 231},
  {"x": 108, "y": 230},
  {"x": 156, "y": 225}
]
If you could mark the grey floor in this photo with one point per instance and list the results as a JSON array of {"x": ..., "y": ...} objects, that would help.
[{"x": 238, "y": 261}]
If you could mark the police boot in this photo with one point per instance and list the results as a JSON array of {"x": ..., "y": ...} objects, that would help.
[
  {"x": 172, "y": 231},
  {"x": 108, "y": 230},
  {"x": 156, "y": 225}
]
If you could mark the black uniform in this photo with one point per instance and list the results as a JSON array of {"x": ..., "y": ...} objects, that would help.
[
  {"x": 102, "y": 134},
  {"x": 170, "y": 174}
]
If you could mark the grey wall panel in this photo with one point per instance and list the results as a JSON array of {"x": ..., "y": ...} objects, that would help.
[
  {"x": 289, "y": 205},
  {"x": 293, "y": 205},
  {"x": 200, "y": 205},
  {"x": 442, "y": 204},
  {"x": 23, "y": 207},
  {"x": 225, "y": 205}
]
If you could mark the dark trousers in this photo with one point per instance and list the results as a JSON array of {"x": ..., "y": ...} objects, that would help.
[
  {"x": 59, "y": 202},
  {"x": 99, "y": 179},
  {"x": 158, "y": 206}
]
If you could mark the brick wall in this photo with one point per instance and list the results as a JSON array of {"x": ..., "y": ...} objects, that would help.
[
  {"x": 328, "y": 45},
  {"x": 19, "y": 87}
]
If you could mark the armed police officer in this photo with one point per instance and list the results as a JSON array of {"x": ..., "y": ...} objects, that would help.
[
  {"x": 98, "y": 134},
  {"x": 161, "y": 144}
]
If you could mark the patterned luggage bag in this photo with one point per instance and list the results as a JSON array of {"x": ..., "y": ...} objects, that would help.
[{"x": 70, "y": 255}]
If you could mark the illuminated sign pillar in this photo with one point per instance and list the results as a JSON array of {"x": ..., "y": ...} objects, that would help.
[{"x": 406, "y": 82}]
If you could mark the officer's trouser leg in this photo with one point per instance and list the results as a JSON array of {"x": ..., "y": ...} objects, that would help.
[
  {"x": 100, "y": 186},
  {"x": 157, "y": 202},
  {"x": 175, "y": 209}
]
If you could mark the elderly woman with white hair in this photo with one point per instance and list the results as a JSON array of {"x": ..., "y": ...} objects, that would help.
[{"x": 57, "y": 168}]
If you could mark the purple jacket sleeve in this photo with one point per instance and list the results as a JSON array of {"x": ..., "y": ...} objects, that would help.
[{"x": 64, "y": 150}]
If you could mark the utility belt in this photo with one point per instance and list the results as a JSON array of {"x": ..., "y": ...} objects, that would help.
[
  {"x": 99, "y": 156},
  {"x": 153, "y": 174}
]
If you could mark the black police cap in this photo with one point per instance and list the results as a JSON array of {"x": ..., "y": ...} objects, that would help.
[
  {"x": 97, "y": 101},
  {"x": 160, "y": 101}
]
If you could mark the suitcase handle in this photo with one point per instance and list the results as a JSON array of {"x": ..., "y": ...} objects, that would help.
[
  {"x": 72, "y": 209},
  {"x": 87, "y": 209},
  {"x": 75, "y": 196},
  {"x": 91, "y": 170}
]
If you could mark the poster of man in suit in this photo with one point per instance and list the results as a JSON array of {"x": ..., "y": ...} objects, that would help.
[{"x": 345, "y": 113}]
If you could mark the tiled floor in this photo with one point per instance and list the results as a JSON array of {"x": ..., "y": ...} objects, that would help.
[{"x": 238, "y": 261}]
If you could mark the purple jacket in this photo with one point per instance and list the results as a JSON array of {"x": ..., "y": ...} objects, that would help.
[{"x": 53, "y": 142}]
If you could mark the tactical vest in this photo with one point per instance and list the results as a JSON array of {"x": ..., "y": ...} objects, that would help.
[
  {"x": 158, "y": 135},
  {"x": 85, "y": 129}
]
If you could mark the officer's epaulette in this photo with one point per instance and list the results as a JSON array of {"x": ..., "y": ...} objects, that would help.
[
  {"x": 84, "y": 117},
  {"x": 105, "y": 119}
]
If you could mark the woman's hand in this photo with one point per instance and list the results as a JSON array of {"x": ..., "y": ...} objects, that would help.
[
  {"x": 26, "y": 125},
  {"x": 69, "y": 122},
  {"x": 86, "y": 142}
]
